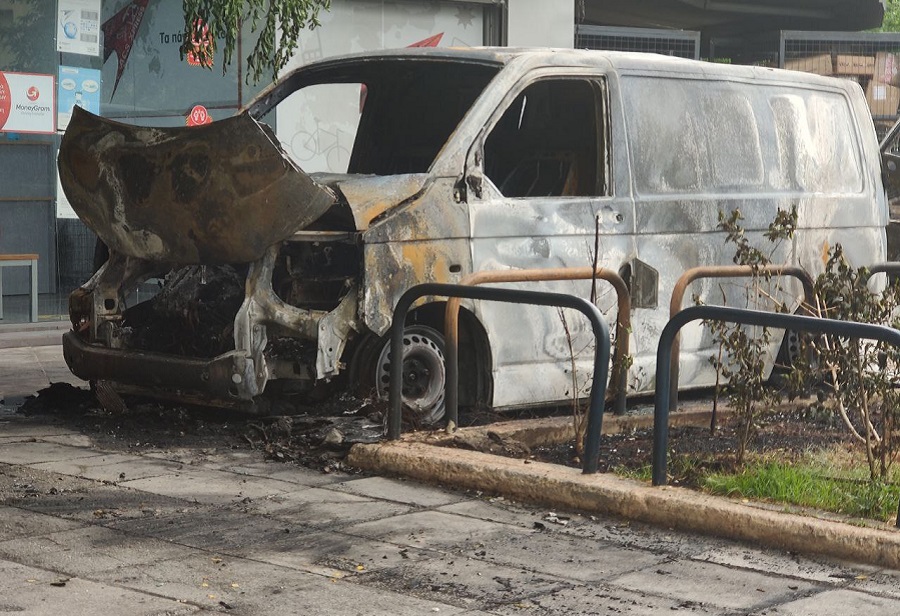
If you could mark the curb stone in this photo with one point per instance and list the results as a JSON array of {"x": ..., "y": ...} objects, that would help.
[{"x": 671, "y": 507}]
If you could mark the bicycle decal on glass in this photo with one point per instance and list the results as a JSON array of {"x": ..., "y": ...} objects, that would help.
[{"x": 330, "y": 146}]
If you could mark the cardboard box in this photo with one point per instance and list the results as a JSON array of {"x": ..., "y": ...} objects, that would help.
[
  {"x": 820, "y": 65},
  {"x": 854, "y": 65},
  {"x": 883, "y": 99},
  {"x": 887, "y": 68}
]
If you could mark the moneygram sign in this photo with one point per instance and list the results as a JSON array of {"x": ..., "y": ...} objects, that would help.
[{"x": 27, "y": 103}]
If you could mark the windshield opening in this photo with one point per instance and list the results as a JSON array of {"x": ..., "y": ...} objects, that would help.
[{"x": 380, "y": 117}]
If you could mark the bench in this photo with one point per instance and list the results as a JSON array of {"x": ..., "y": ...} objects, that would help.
[{"x": 31, "y": 260}]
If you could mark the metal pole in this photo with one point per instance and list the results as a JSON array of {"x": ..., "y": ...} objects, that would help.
[
  {"x": 516, "y": 296},
  {"x": 623, "y": 324},
  {"x": 744, "y": 317},
  {"x": 724, "y": 271}
]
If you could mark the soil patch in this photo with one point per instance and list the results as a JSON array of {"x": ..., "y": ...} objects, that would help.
[{"x": 696, "y": 450}]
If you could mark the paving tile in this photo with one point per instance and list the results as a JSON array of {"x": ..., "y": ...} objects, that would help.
[
  {"x": 207, "y": 458},
  {"x": 572, "y": 558},
  {"x": 320, "y": 596},
  {"x": 209, "y": 486},
  {"x": 776, "y": 563},
  {"x": 837, "y": 602},
  {"x": 399, "y": 491},
  {"x": 72, "y": 440},
  {"x": 643, "y": 536},
  {"x": 214, "y": 529},
  {"x": 337, "y": 554},
  {"x": 20, "y": 429},
  {"x": 601, "y": 600},
  {"x": 464, "y": 582},
  {"x": 38, "y": 452},
  {"x": 19, "y": 523},
  {"x": 93, "y": 503},
  {"x": 207, "y": 580},
  {"x": 281, "y": 471},
  {"x": 496, "y": 510},
  {"x": 318, "y": 508},
  {"x": 248, "y": 587},
  {"x": 113, "y": 467},
  {"x": 884, "y": 582},
  {"x": 22, "y": 486},
  {"x": 432, "y": 529},
  {"x": 707, "y": 584},
  {"x": 83, "y": 551},
  {"x": 15, "y": 575},
  {"x": 82, "y": 597}
]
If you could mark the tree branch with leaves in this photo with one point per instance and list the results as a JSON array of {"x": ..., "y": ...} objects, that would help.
[{"x": 278, "y": 22}]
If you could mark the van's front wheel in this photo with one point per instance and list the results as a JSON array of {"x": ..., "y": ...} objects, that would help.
[{"x": 424, "y": 377}]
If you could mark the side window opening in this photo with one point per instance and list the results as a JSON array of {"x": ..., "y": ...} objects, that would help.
[{"x": 547, "y": 143}]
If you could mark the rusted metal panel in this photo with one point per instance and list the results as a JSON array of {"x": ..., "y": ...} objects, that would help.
[
  {"x": 152, "y": 371},
  {"x": 371, "y": 198},
  {"x": 219, "y": 193}
]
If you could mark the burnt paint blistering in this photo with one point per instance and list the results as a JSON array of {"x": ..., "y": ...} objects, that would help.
[
  {"x": 185, "y": 195},
  {"x": 424, "y": 227}
]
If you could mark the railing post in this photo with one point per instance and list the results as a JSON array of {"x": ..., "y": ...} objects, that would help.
[
  {"x": 723, "y": 271},
  {"x": 537, "y": 298},
  {"x": 744, "y": 317}
]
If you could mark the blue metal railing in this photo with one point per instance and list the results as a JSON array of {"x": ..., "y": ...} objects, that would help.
[
  {"x": 516, "y": 296},
  {"x": 850, "y": 329}
]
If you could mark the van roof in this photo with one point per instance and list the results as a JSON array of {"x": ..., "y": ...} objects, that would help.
[{"x": 623, "y": 61}]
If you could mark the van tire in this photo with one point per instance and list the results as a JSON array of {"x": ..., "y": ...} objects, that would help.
[
  {"x": 424, "y": 374},
  {"x": 790, "y": 353}
]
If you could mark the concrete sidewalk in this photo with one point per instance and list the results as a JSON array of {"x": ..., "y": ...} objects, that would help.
[
  {"x": 83, "y": 531},
  {"x": 17, "y": 335},
  {"x": 88, "y": 531}
]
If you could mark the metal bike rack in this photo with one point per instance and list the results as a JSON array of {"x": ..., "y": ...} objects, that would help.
[
  {"x": 814, "y": 325},
  {"x": 888, "y": 267},
  {"x": 515, "y": 296},
  {"x": 723, "y": 271},
  {"x": 623, "y": 323}
]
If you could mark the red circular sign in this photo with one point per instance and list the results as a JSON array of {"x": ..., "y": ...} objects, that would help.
[
  {"x": 198, "y": 115},
  {"x": 5, "y": 101}
]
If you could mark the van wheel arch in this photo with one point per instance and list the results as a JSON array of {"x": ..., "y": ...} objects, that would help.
[{"x": 427, "y": 325}]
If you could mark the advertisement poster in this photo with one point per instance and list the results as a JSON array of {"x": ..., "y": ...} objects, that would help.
[
  {"x": 77, "y": 86},
  {"x": 27, "y": 103},
  {"x": 78, "y": 27}
]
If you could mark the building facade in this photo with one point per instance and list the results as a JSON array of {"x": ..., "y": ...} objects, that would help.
[{"x": 121, "y": 59}]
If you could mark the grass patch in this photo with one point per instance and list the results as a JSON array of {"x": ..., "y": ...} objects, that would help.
[
  {"x": 831, "y": 479},
  {"x": 809, "y": 483}
]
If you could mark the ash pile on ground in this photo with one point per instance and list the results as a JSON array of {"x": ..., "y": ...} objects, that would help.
[{"x": 317, "y": 436}]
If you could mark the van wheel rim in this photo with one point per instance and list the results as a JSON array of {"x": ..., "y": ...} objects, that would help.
[{"x": 424, "y": 377}]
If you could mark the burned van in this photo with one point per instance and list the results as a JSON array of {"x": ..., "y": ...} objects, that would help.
[{"x": 282, "y": 237}]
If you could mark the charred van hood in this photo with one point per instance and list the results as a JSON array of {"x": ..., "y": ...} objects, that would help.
[
  {"x": 371, "y": 196},
  {"x": 212, "y": 194}
]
